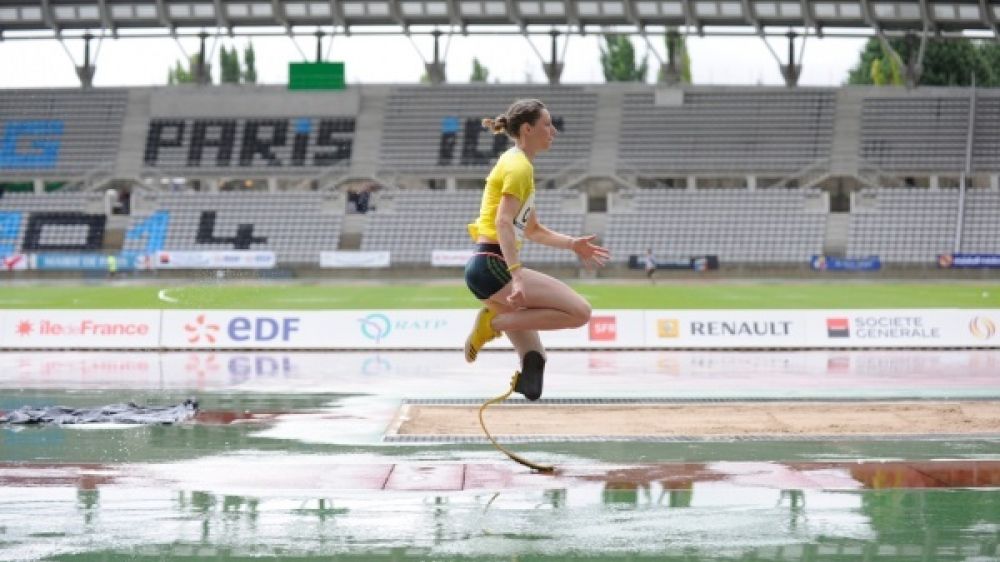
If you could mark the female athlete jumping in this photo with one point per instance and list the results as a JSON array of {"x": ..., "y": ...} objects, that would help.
[{"x": 519, "y": 301}]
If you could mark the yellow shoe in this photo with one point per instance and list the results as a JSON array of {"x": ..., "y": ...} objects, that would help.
[{"x": 482, "y": 333}]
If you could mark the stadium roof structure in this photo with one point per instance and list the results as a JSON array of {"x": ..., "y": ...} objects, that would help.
[
  {"x": 34, "y": 19},
  {"x": 482, "y": 16}
]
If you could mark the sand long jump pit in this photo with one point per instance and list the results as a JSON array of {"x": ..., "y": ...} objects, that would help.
[{"x": 694, "y": 420}]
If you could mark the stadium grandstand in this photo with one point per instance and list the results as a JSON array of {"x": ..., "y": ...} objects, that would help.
[{"x": 751, "y": 175}]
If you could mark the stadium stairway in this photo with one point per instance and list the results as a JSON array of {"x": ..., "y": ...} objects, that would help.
[
  {"x": 835, "y": 239},
  {"x": 607, "y": 128},
  {"x": 846, "y": 133},
  {"x": 368, "y": 132},
  {"x": 350, "y": 231}
]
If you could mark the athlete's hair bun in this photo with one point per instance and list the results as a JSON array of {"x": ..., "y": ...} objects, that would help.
[{"x": 498, "y": 125}]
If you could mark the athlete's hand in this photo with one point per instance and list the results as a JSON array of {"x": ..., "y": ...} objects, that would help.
[
  {"x": 590, "y": 254},
  {"x": 517, "y": 298}
]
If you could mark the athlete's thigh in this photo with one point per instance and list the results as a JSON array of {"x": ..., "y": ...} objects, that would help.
[{"x": 541, "y": 291}]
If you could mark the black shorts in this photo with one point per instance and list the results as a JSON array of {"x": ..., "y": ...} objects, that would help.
[{"x": 486, "y": 272}]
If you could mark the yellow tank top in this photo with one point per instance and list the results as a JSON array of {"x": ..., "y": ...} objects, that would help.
[{"x": 513, "y": 174}]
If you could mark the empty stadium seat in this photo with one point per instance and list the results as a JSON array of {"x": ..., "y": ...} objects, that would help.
[
  {"x": 737, "y": 131},
  {"x": 737, "y": 225},
  {"x": 981, "y": 222},
  {"x": 294, "y": 225},
  {"x": 61, "y": 221},
  {"x": 903, "y": 225},
  {"x": 416, "y": 118},
  {"x": 80, "y": 130},
  {"x": 911, "y": 134},
  {"x": 413, "y": 223}
]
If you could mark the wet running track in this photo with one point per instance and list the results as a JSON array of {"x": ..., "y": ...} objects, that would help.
[{"x": 288, "y": 459}]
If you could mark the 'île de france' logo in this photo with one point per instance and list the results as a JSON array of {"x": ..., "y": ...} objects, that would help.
[
  {"x": 982, "y": 328},
  {"x": 200, "y": 329},
  {"x": 24, "y": 328},
  {"x": 375, "y": 327}
]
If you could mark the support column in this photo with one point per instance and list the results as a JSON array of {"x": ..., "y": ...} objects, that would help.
[
  {"x": 553, "y": 68},
  {"x": 994, "y": 182},
  {"x": 39, "y": 185},
  {"x": 319, "y": 45},
  {"x": 791, "y": 71},
  {"x": 670, "y": 70},
  {"x": 435, "y": 69},
  {"x": 202, "y": 70},
  {"x": 913, "y": 67},
  {"x": 86, "y": 71}
]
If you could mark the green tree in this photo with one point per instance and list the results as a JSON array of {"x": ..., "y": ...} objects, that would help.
[
  {"x": 180, "y": 75},
  {"x": 249, "y": 65},
  {"x": 479, "y": 72},
  {"x": 618, "y": 60},
  {"x": 947, "y": 62},
  {"x": 678, "y": 58},
  {"x": 229, "y": 66}
]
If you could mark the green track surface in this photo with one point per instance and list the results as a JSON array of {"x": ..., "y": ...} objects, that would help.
[{"x": 664, "y": 295}]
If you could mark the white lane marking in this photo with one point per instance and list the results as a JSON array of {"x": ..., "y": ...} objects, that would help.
[{"x": 163, "y": 296}]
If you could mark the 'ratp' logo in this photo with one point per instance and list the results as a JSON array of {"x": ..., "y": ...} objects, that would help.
[
  {"x": 982, "y": 328},
  {"x": 201, "y": 329},
  {"x": 375, "y": 327}
]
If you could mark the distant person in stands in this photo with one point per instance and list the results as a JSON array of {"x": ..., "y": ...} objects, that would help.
[
  {"x": 650, "y": 263},
  {"x": 361, "y": 197},
  {"x": 516, "y": 300}
]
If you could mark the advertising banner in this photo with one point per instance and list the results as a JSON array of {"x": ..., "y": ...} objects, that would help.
[
  {"x": 829, "y": 263},
  {"x": 450, "y": 258},
  {"x": 363, "y": 329},
  {"x": 349, "y": 259},
  {"x": 969, "y": 261},
  {"x": 606, "y": 329},
  {"x": 248, "y": 329},
  {"x": 696, "y": 263},
  {"x": 15, "y": 262},
  {"x": 80, "y": 329},
  {"x": 904, "y": 328},
  {"x": 725, "y": 328},
  {"x": 447, "y": 329},
  {"x": 244, "y": 259},
  {"x": 69, "y": 262}
]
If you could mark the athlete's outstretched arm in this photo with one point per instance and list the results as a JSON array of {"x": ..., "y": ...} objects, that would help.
[{"x": 589, "y": 253}]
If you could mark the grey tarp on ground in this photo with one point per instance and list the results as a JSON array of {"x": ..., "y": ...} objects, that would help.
[{"x": 114, "y": 413}]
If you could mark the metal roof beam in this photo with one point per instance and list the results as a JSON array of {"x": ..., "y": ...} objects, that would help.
[
  {"x": 751, "y": 15},
  {"x": 989, "y": 18},
  {"x": 278, "y": 9},
  {"x": 690, "y": 18},
  {"x": 222, "y": 18},
  {"x": 48, "y": 18}
]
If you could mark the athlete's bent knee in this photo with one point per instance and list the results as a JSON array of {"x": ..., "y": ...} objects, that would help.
[{"x": 580, "y": 314}]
